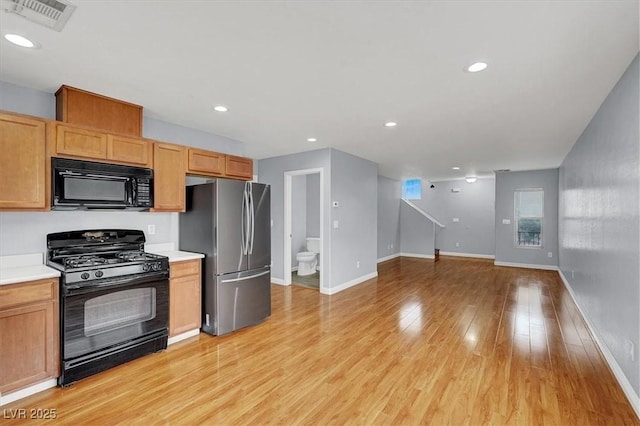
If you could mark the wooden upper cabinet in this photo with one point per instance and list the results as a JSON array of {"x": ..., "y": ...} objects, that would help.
[
  {"x": 134, "y": 151},
  {"x": 75, "y": 106},
  {"x": 206, "y": 162},
  {"x": 24, "y": 166},
  {"x": 239, "y": 167},
  {"x": 77, "y": 142},
  {"x": 169, "y": 177}
]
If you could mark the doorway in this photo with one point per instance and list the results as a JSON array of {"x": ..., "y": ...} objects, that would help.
[{"x": 304, "y": 220}]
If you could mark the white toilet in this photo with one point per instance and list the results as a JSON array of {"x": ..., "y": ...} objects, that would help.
[{"x": 308, "y": 260}]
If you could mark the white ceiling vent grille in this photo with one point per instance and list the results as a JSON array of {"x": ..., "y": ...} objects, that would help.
[{"x": 50, "y": 13}]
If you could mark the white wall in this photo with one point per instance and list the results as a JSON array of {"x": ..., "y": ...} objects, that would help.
[
  {"x": 417, "y": 233},
  {"x": 298, "y": 216}
]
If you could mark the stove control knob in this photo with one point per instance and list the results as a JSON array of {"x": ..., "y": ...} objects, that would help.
[
  {"x": 99, "y": 274},
  {"x": 146, "y": 267},
  {"x": 156, "y": 266},
  {"x": 84, "y": 276}
]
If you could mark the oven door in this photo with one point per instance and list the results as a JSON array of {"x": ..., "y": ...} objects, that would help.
[{"x": 98, "y": 316}]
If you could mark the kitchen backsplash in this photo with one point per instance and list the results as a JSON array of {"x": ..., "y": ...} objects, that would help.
[{"x": 26, "y": 232}]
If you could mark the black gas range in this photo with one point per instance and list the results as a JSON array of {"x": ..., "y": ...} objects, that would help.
[{"x": 114, "y": 299}]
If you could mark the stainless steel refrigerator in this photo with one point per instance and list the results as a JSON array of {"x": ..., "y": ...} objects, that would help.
[{"x": 229, "y": 222}]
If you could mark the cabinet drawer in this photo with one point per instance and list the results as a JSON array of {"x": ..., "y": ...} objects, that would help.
[
  {"x": 29, "y": 292},
  {"x": 206, "y": 162},
  {"x": 187, "y": 267},
  {"x": 81, "y": 143}
]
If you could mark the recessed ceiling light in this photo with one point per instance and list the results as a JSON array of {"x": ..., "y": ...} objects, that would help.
[
  {"x": 456, "y": 168},
  {"x": 391, "y": 124},
  {"x": 471, "y": 179},
  {"x": 312, "y": 140},
  {"x": 18, "y": 40},
  {"x": 221, "y": 108},
  {"x": 478, "y": 66}
]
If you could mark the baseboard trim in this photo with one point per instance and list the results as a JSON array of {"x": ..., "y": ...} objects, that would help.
[
  {"x": 293, "y": 269},
  {"x": 391, "y": 256},
  {"x": 418, "y": 255},
  {"x": 633, "y": 398},
  {"x": 526, "y": 265},
  {"x": 354, "y": 282},
  {"x": 23, "y": 393},
  {"x": 183, "y": 336},
  {"x": 277, "y": 281},
  {"x": 478, "y": 256}
]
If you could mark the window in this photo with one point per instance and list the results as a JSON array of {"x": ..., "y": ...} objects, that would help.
[
  {"x": 529, "y": 215},
  {"x": 412, "y": 189}
]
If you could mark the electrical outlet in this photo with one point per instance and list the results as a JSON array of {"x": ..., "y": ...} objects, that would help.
[
  {"x": 549, "y": 254},
  {"x": 151, "y": 229},
  {"x": 506, "y": 221},
  {"x": 391, "y": 245},
  {"x": 456, "y": 219},
  {"x": 357, "y": 264},
  {"x": 272, "y": 223},
  {"x": 457, "y": 244},
  {"x": 336, "y": 224},
  {"x": 572, "y": 274}
]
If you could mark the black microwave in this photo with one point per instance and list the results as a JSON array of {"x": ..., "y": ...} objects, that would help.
[{"x": 89, "y": 185}]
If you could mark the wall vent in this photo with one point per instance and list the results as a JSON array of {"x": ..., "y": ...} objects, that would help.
[{"x": 53, "y": 14}]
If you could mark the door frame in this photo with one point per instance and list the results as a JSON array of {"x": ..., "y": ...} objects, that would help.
[{"x": 288, "y": 176}]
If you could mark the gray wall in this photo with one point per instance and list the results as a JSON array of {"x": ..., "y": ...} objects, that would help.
[
  {"x": 416, "y": 232},
  {"x": 506, "y": 184},
  {"x": 474, "y": 206},
  {"x": 22, "y": 232},
  {"x": 272, "y": 172},
  {"x": 389, "y": 193},
  {"x": 313, "y": 205},
  {"x": 26, "y": 232},
  {"x": 354, "y": 184},
  {"x": 599, "y": 221},
  {"x": 298, "y": 217}
]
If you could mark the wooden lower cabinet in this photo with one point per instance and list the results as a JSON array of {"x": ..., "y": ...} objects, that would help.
[
  {"x": 29, "y": 334},
  {"x": 24, "y": 166},
  {"x": 169, "y": 177},
  {"x": 185, "y": 302}
]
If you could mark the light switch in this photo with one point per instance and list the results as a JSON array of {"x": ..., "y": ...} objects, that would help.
[
  {"x": 506, "y": 221},
  {"x": 456, "y": 219},
  {"x": 335, "y": 224}
]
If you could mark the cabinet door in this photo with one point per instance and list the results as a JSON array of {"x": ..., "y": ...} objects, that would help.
[
  {"x": 169, "y": 178},
  {"x": 184, "y": 304},
  {"x": 23, "y": 163},
  {"x": 206, "y": 162},
  {"x": 29, "y": 345},
  {"x": 81, "y": 143},
  {"x": 126, "y": 150},
  {"x": 239, "y": 167}
]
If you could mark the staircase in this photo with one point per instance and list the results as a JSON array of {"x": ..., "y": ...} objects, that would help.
[{"x": 431, "y": 218}]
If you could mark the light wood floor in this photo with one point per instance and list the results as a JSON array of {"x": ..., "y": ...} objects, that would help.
[{"x": 453, "y": 342}]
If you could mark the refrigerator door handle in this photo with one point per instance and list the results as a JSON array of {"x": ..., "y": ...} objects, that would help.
[
  {"x": 252, "y": 218},
  {"x": 233, "y": 280},
  {"x": 244, "y": 223}
]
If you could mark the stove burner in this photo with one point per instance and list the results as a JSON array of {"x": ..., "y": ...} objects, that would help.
[
  {"x": 131, "y": 256},
  {"x": 85, "y": 260}
]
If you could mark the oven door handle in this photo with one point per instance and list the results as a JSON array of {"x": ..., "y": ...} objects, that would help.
[{"x": 75, "y": 289}]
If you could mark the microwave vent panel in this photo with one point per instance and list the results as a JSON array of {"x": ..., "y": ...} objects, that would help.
[{"x": 53, "y": 14}]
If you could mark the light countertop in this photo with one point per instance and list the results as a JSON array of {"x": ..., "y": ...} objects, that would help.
[
  {"x": 23, "y": 268},
  {"x": 169, "y": 250}
]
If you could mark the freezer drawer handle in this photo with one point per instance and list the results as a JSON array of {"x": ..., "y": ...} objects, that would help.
[{"x": 246, "y": 278}]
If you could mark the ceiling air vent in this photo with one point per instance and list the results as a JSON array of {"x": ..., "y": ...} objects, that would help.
[{"x": 50, "y": 13}]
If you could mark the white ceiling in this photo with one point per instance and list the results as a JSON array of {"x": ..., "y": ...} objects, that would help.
[{"x": 338, "y": 70}]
